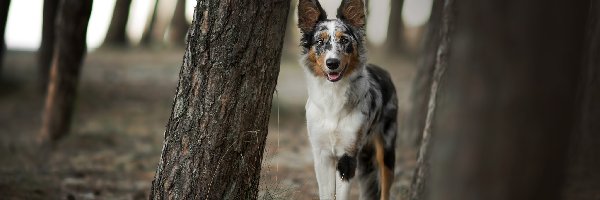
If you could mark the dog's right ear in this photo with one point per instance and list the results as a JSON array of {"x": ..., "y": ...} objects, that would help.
[{"x": 310, "y": 13}]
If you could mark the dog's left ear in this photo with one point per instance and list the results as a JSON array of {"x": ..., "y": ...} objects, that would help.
[{"x": 353, "y": 12}]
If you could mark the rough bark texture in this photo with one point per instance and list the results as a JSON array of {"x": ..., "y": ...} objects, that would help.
[
  {"x": 147, "y": 34},
  {"x": 117, "y": 31},
  {"x": 583, "y": 180},
  {"x": 217, "y": 130},
  {"x": 4, "y": 5},
  {"x": 71, "y": 27},
  {"x": 438, "y": 41},
  {"x": 46, "y": 49},
  {"x": 506, "y": 103},
  {"x": 395, "y": 35},
  {"x": 179, "y": 25}
]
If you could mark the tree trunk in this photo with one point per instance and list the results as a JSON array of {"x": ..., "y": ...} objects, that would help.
[
  {"x": 506, "y": 102},
  {"x": 583, "y": 181},
  {"x": 117, "y": 31},
  {"x": 395, "y": 35},
  {"x": 426, "y": 90},
  {"x": 47, "y": 46},
  {"x": 147, "y": 34},
  {"x": 179, "y": 25},
  {"x": 4, "y": 5},
  {"x": 218, "y": 126},
  {"x": 71, "y": 27}
]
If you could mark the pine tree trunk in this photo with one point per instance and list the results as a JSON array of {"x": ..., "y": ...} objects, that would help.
[
  {"x": 216, "y": 134},
  {"x": 179, "y": 25},
  {"x": 71, "y": 27},
  {"x": 426, "y": 88},
  {"x": 117, "y": 31},
  {"x": 147, "y": 34},
  {"x": 46, "y": 49},
  {"x": 506, "y": 101},
  {"x": 4, "y": 5},
  {"x": 395, "y": 35},
  {"x": 583, "y": 181}
]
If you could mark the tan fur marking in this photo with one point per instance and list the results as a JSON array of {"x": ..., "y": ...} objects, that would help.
[
  {"x": 351, "y": 60},
  {"x": 316, "y": 62},
  {"x": 385, "y": 174}
]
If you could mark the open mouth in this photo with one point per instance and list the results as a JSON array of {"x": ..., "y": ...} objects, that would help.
[{"x": 335, "y": 76}]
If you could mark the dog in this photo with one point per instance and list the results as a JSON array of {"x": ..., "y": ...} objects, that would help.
[{"x": 351, "y": 110}]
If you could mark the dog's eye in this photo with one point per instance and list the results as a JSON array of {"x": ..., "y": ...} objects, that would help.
[
  {"x": 344, "y": 40},
  {"x": 320, "y": 42}
]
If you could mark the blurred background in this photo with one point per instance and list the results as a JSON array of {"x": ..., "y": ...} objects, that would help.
[{"x": 125, "y": 97}]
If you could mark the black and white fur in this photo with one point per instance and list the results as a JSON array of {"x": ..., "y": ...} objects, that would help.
[{"x": 352, "y": 106}]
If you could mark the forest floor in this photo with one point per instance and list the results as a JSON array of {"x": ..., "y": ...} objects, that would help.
[{"x": 124, "y": 101}]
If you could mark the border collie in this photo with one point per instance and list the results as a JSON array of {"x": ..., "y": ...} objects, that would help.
[{"x": 351, "y": 107}]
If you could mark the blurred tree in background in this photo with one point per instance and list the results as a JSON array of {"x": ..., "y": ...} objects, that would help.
[
  {"x": 46, "y": 50},
  {"x": 4, "y": 5},
  {"x": 116, "y": 34},
  {"x": 501, "y": 125},
  {"x": 71, "y": 28}
]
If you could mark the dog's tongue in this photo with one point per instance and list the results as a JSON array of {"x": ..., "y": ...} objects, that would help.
[{"x": 333, "y": 76}]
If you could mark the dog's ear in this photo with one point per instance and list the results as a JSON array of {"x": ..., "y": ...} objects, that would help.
[
  {"x": 353, "y": 12},
  {"x": 310, "y": 13}
]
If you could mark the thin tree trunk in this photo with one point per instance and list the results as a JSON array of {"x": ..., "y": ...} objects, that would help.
[
  {"x": 216, "y": 134},
  {"x": 583, "y": 181},
  {"x": 147, "y": 34},
  {"x": 71, "y": 27},
  {"x": 426, "y": 90},
  {"x": 179, "y": 25},
  {"x": 506, "y": 101},
  {"x": 395, "y": 34},
  {"x": 4, "y": 6},
  {"x": 46, "y": 49},
  {"x": 117, "y": 31}
]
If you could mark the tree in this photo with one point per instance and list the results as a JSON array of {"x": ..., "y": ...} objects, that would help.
[
  {"x": 426, "y": 86},
  {"x": 395, "y": 34},
  {"x": 505, "y": 105},
  {"x": 4, "y": 5},
  {"x": 147, "y": 34},
  {"x": 179, "y": 25},
  {"x": 117, "y": 31},
  {"x": 583, "y": 178},
  {"x": 216, "y": 134},
  {"x": 47, "y": 45},
  {"x": 71, "y": 27}
]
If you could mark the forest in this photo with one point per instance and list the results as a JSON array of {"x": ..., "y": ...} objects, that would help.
[{"x": 184, "y": 99}]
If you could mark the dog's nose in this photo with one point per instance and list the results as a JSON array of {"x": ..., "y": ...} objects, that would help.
[{"x": 332, "y": 63}]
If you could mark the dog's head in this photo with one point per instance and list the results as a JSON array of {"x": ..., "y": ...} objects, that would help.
[{"x": 332, "y": 48}]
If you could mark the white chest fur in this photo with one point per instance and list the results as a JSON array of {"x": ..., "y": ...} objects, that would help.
[{"x": 332, "y": 126}]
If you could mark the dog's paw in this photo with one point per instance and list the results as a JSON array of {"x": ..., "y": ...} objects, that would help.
[{"x": 347, "y": 167}]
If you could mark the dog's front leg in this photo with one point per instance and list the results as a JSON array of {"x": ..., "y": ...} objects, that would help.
[
  {"x": 346, "y": 168},
  {"x": 325, "y": 171}
]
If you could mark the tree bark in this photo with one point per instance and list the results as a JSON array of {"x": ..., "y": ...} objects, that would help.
[
  {"x": 179, "y": 25},
  {"x": 395, "y": 34},
  {"x": 46, "y": 49},
  {"x": 426, "y": 88},
  {"x": 506, "y": 102},
  {"x": 117, "y": 31},
  {"x": 216, "y": 134},
  {"x": 4, "y": 6},
  {"x": 583, "y": 181},
  {"x": 71, "y": 27}
]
